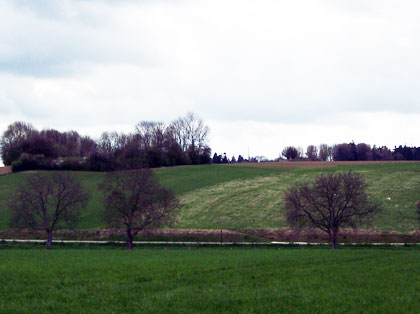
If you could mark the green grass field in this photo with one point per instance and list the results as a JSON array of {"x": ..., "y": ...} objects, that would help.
[
  {"x": 251, "y": 195},
  {"x": 209, "y": 280}
]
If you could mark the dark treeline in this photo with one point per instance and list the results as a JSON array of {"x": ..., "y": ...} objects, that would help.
[
  {"x": 155, "y": 144},
  {"x": 338, "y": 152},
  {"x": 152, "y": 144},
  {"x": 223, "y": 159},
  {"x": 351, "y": 152}
]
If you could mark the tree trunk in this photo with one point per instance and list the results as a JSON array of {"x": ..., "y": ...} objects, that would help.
[
  {"x": 49, "y": 240},
  {"x": 334, "y": 239},
  {"x": 129, "y": 243}
]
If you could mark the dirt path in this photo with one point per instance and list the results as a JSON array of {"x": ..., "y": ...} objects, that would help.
[
  {"x": 283, "y": 235},
  {"x": 191, "y": 243}
]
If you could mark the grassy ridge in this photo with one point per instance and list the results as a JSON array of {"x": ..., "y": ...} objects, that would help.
[
  {"x": 257, "y": 202},
  {"x": 250, "y": 195},
  {"x": 209, "y": 281}
]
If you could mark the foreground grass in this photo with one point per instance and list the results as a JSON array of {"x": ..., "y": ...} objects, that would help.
[
  {"x": 209, "y": 280},
  {"x": 251, "y": 195}
]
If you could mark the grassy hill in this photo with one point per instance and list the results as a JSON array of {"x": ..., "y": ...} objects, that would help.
[{"x": 250, "y": 195}]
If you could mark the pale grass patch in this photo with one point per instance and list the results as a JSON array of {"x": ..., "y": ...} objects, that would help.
[{"x": 234, "y": 203}]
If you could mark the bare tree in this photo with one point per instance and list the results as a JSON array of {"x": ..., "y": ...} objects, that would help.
[
  {"x": 177, "y": 131},
  {"x": 135, "y": 200},
  {"x": 110, "y": 142},
  {"x": 64, "y": 143},
  {"x": 312, "y": 152},
  {"x": 325, "y": 152},
  {"x": 44, "y": 200},
  {"x": 190, "y": 132},
  {"x": 87, "y": 146},
  {"x": 152, "y": 134},
  {"x": 334, "y": 200}
]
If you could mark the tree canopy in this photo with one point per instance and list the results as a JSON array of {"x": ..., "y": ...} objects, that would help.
[
  {"x": 332, "y": 201},
  {"x": 46, "y": 200},
  {"x": 134, "y": 200}
]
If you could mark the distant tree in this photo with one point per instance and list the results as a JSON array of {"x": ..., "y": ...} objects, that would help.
[
  {"x": 217, "y": 159},
  {"x": 353, "y": 151},
  {"x": 44, "y": 200},
  {"x": 65, "y": 144},
  {"x": 134, "y": 200},
  {"x": 109, "y": 143},
  {"x": 345, "y": 152},
  {"x": 233, "y": 160},
  {"x": 192, "y": 135},
  {"x": 178, "y": 131},
  {"x": 151, "y": 133},
  {"x": 174, "y": 154},
  {"x": 195, "y": 130},
  {"x": 240, "y": 158},
  {"x": 312, "y": 152},
  {"x": 72, "y": 141},
  {"x": 290, "y": 152},
  {"x": 381, "y": 153},
  {"x": 334, "y": 200},
  {"x": 364, "y": 151},
  {"x": 416, "y": 153},
  {"x": 225, "y": 160},
  {"x": 36, "y": 144},
  {"x": 205, "y": 155},
  {"x": 87, "y": 147},
  {"x": 403, "y": 153},
  {"x": 300, "y": 152},
  {"x": 325, "y": 152},
  {"x": 12, "y": 140},
  {"x": 398, "y": 156}
]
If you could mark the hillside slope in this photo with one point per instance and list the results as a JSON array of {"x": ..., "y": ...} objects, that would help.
[{"x": 250, "y": 195}]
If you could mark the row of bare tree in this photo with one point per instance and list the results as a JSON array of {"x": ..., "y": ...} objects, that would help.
[
  {"x": 152, "y": 144},
  {"x": 133, "y": 200}
]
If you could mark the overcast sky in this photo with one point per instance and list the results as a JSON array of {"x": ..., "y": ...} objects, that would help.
[{"x": 261, "y": 74}]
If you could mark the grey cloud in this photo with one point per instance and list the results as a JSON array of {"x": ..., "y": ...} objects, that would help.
[
  {"x": 265, "y": 61},
  {"x": 38, "y": 68},
  {"x": 43, "y": 47}
]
